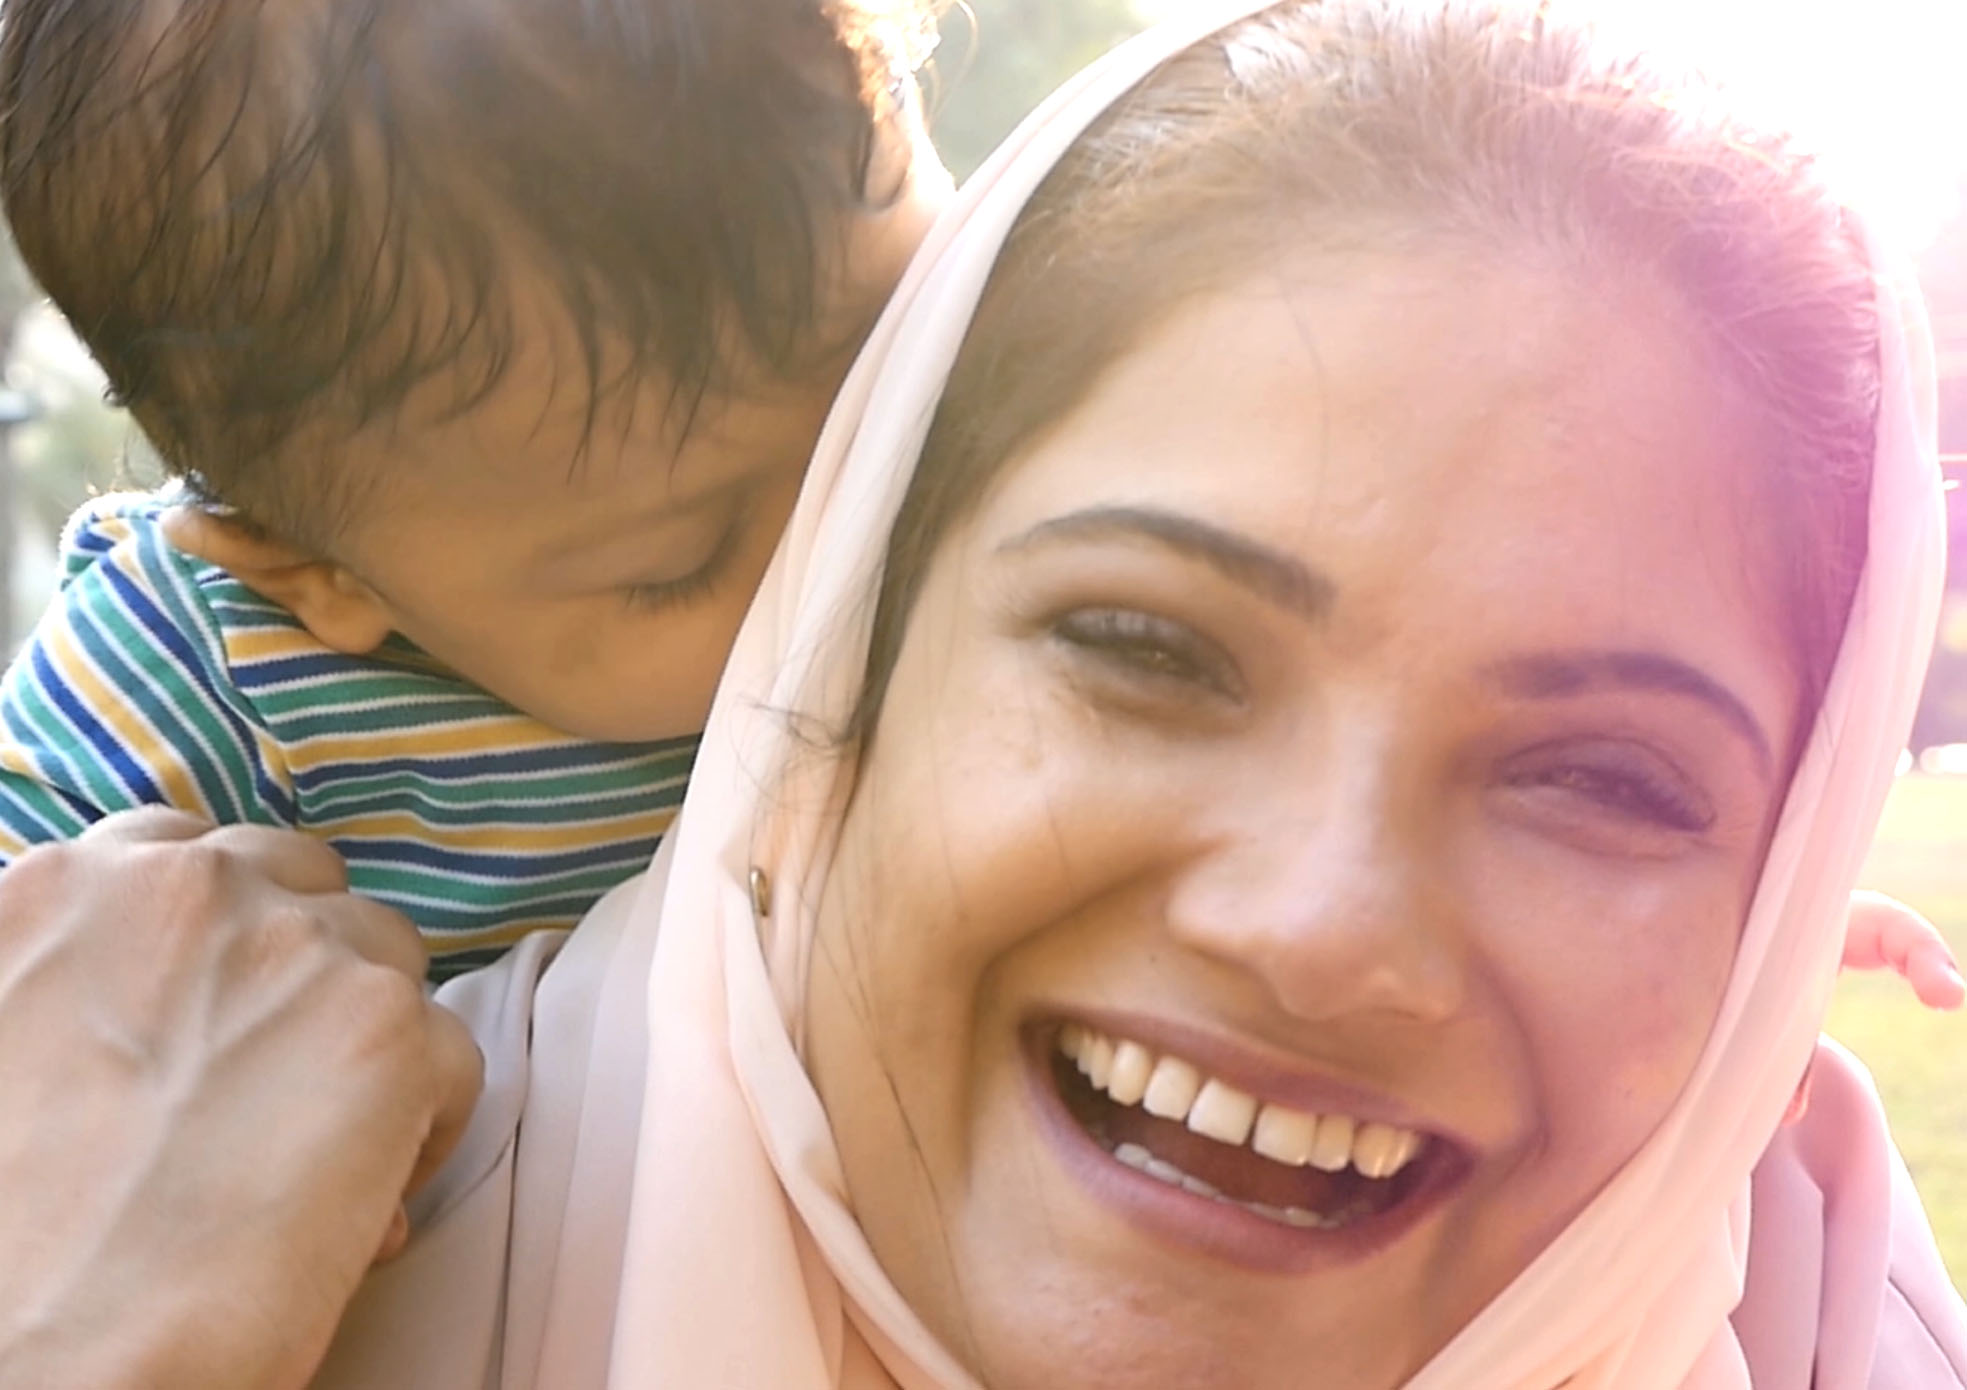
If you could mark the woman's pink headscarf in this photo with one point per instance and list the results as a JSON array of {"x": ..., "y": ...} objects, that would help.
[{"x": 742, "y": 1264}]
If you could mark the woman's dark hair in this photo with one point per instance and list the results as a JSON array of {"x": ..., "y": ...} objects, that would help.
[
  {"x": 1493, "y": 127},
  {"x": 266, "y": 217}
]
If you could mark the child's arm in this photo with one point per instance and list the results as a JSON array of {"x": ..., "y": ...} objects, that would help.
[
  {"x": 122, "y": 698},
  {"x": 1884, "y": 934}
]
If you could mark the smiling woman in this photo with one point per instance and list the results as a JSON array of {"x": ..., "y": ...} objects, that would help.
[
  {"x": 1283, "y": 762},
  {"x": 1334, "y": 854}
]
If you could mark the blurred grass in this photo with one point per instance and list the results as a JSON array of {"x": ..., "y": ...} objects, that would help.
[{"x": 1920, "y": 1057}]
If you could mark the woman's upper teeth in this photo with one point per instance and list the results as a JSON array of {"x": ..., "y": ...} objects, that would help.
[{"x": 1172, "y": 1089}]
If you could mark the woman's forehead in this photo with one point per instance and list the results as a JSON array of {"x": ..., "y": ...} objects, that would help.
[{"x": 1341, "y": 380}]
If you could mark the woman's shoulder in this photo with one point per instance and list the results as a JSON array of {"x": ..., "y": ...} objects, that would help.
[
  {"x": 1922, "y": 1325},
  {"x": 1846, "y": 1289}
]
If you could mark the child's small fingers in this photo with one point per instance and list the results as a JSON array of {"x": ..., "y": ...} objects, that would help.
[
  {"x": 1864, "y": 953},
  {"x": 1935, "y": 978},
  {"x": 1881, "y": 932}
]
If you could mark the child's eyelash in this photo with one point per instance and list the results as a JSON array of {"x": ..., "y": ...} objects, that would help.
[{"x": 673, "y": 593}]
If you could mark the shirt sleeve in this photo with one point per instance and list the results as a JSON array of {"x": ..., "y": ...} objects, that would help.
[{"x": 121, "y": 696}]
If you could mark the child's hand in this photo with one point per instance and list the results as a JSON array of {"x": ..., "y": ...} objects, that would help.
[{"x": 1884, "y": 934}]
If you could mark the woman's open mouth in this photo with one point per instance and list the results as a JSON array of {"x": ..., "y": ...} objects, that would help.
[{"x": 1325, "y": 1183}]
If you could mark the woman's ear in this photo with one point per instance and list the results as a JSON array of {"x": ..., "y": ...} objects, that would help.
[{"x": 333, "y": 604}]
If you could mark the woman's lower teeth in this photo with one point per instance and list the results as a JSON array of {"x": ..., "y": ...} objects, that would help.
[{"x": 1138, "y": 1158}]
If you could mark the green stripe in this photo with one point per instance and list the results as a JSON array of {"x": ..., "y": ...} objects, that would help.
[
  {"x": 226, "y": 787},
  {"x": 40, "y": 801},
  {"x": 93, "y": 781},
  {"x": 661, "y": 785}
]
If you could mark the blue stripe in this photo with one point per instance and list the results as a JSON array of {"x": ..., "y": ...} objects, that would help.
[
  {"x": 561, "y": 758},
  {"x": 141, "y": 690},
  {"x": 144, "y": 606},
  {"x": 90, "y": 542},
  {"x": 26, "y": 820},
  {"x": 128, "y": 771},
  {"x": 515, "y": 865},
  {"x": 27, "y": 727}
]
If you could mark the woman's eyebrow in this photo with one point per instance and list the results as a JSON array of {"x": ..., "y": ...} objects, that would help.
[
  {"x": 1271, "y": 575},
  {"x": 1553, "y": 675}
]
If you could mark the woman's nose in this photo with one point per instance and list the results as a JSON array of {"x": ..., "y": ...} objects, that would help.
[{"x": 1337, "y": 909}]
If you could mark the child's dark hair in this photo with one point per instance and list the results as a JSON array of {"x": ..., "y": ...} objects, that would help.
[
  {"x": 273, "y": 222},
  {"x": 1496, "y": 128}
]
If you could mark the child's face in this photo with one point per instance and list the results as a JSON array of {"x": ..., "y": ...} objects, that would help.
[{"x": 597, "y": 580}]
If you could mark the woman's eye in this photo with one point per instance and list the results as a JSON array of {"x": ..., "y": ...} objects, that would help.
[
  {"x": 1149, "y": 647},
  {"x": 1626, "y": 789}
]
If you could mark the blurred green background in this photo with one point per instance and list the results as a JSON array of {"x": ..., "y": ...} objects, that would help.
[{"x": 997, "y": 59}]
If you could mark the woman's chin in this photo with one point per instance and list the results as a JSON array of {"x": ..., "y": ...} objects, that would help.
[{"x": 1129, "y": 1265}]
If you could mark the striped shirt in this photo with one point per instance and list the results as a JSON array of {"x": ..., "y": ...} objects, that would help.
[{"x": 156, "y": 678}]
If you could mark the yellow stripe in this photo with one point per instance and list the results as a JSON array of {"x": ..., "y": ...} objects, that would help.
[
  {"x": 246, "y": 645},
  {"x": 14, "y": 758},
  {"x": 401, "y": 825},
  {"x": 112, "y": 526},
  {"x": 156, "y": 757},
  {"x": 243, "y": 645},
  {"x": 273, "y": 758},
  {"x": 506, "y": 734}
]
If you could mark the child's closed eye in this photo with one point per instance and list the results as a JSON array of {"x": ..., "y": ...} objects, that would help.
[{"x": 663, "y": 594}]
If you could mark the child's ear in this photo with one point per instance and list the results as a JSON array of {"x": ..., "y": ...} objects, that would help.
[{"x": 334, "y": 605}]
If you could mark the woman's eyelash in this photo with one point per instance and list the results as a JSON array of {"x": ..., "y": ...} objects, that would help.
[
  {"x": 1631, "y": 792},
  {"x": 1151, "y": 646}
]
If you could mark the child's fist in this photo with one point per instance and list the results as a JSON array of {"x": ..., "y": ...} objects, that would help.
[{"x": 1884, "y": 934}]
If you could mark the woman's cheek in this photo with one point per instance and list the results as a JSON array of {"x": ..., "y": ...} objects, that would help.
[
  {"x": 999, "y": 797},
  {"x": 1614, "y": 971}
]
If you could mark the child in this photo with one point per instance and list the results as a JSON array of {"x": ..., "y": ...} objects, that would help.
[{"x": 487, "y": 342}]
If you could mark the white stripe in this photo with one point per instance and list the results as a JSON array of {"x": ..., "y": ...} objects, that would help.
[
  {"x": 329, "y": 802},
  {"x": 172, "y": 699},
  {"x": 19, "y": 812},
  {"x": 45, "y": 748}
]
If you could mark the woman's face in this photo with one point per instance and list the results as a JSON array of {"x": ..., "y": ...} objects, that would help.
[{"x": 1307, "y": 833}]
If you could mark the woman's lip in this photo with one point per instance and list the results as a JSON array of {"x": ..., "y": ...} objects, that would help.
[
  {"x": 1216, "y": 1228},
  {"x": 1268, "y": 1079}
]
